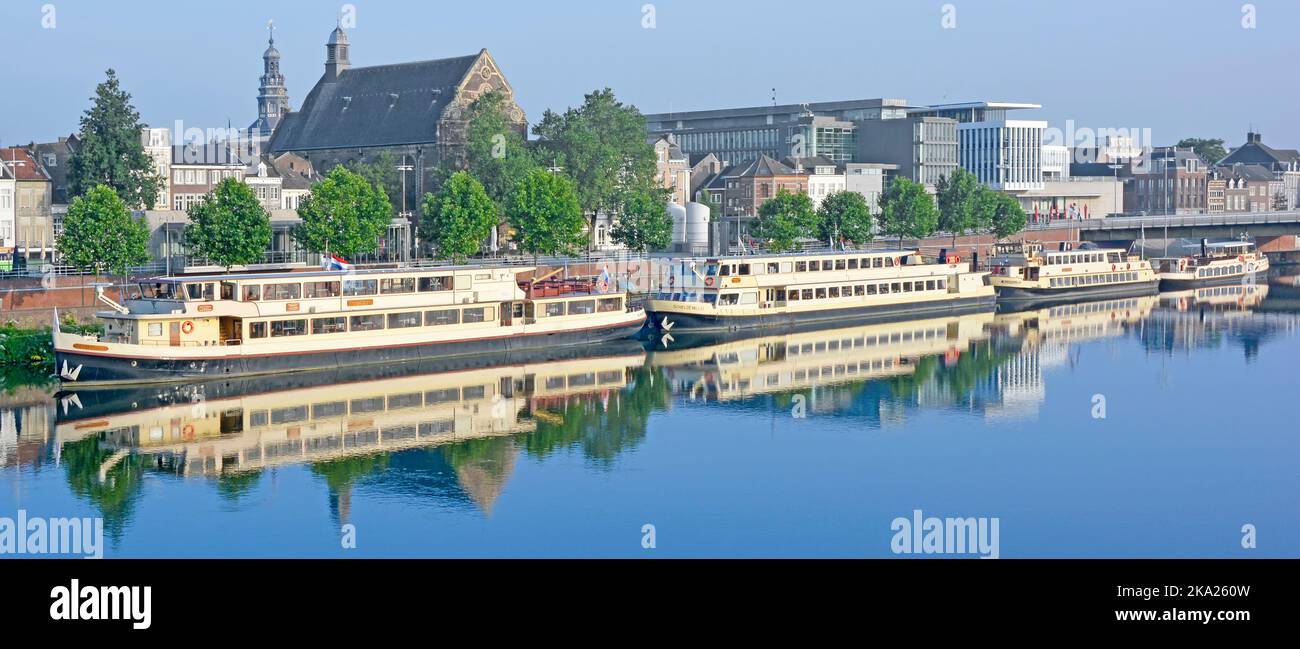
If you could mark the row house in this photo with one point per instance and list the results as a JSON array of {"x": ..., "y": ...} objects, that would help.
[
  {"x": 1242, "y": 188},
  {"x": 672, "y": 168},
  {"x": 32, "y": 202},
  {"x": 1170, "y": 181},
  {"x": 1284, "y": 164}
]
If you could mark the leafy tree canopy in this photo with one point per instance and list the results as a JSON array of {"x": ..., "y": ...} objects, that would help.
[
  {"x": 344, "y": 214},
  {"x": 845, "y": 216},
  {"x": 958, "y": 203},
  {"x": 907, "y": 210},
  {"x": 459, "y": 217},
  {"x": 783, "y": 220},
  {"x": 645, "y": 223},
  {"x": 1211, "y": 150},
  {"x": 99, "y": 234},
  {"x": 545, "y": 212},
  {"x": 111, "y": 151},
  {"x": 230, "y": 228},
  {"x": 496, "y": 153}
]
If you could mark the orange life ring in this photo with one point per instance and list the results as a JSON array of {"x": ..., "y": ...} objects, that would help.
[
  {"x": 1114, "y": 267},
  {"x": 1241, "y": 258},
  {"x": 188, "y": 431},
  {"x": 708, "y": 281},
  {"x": 187, "y": 327}
]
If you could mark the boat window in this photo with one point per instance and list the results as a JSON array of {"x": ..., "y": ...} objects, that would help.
[
  {"x": 367, "y": 322},
  {"x": 853, "y": 263},
  {"x": 773, "y": 267},
  {"x": 582, "y": 307},
  {"x": 834, "y": 291},
  {"x": 477, "y": 314},
  {"x": 859, "y": 290},
  {"x": 283, "y": 328},
  {"x": 329, "y": 325},
  {"x": 839, "y": 264},
  {"x": 441, "y": 317},
  {"x": 606, "y": 305},
  {"x": 709, "y": 298},
  {"x": 227, "y": 290},
  {"x": 814, "y": 266},
  {"x": 193, "y": 291},
  {"x": 282, "y": 291},
  {"x": 320, "y": 289},
  {"x": 943, "y": 284},
  {"x": 800, "y": 266},
  {"x": 794, "y": 296},
  {"x": 446, "y": 395},
  {"x": 397, "y": 285},
  {"x": 371, "y": 404},
  {"x": 820, "y": 293},
  {"x": 431, "y": 284},
  {"x": 404, "y": 320},
  {"x": 554, "y": 309},
  {"x": 871, "y": 289},
  {"x": 889, "y": 262},
  {"x": 895, "y": 287},
  {"x": 354, "y": 287},
  {"x": 749, "y": 298},
  {"x": 725, "y": 270},
  {"x": 257, "y": 330},
  {"x": 728, "y": 299},
  {"x": 742, "y": 269},
  {"x": 807, "y": 294},
  {"x": 253, "y": 293},
  {"x": 711, "y": 270},
  {"x": 331, "y": 409}
]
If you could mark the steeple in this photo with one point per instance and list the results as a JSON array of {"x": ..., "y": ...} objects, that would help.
[
  {"x": 336, "y": 54},
  {"x": 273, "y": 97}
]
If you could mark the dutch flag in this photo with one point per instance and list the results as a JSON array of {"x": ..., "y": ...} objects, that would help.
[{"x": 334, "y": 262}]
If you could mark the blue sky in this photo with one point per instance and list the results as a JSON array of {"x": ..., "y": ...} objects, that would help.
[{"x": 1180, "y": 67}]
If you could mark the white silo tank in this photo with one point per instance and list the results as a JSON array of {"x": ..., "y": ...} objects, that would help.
[
  {"x": 679, "y": 224},
  {"x": 697, "y": 226}
]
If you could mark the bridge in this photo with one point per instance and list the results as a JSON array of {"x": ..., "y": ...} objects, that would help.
[{"x": 1264, "y": 226}]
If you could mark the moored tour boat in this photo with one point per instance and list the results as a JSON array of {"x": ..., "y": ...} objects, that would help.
[
  {"x": 1218, "y": 263},
  {"x": 236, "y": 325},
  {"x": 792, "y": 290},
  {"x": 1023, "y": 273}
]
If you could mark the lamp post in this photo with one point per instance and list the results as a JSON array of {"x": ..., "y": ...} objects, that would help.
[{"x": 406, "y": 216}]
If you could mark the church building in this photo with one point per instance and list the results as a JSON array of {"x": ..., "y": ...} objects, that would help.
[{"x": 414, "y": 111}]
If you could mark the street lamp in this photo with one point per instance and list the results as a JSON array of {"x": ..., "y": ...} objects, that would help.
[{"x": 406, "y": 216}]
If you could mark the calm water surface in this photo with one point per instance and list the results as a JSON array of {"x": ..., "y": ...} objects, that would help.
[{"x": 806, "y": 445}]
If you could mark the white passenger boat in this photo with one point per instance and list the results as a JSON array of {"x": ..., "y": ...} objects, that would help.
[
  {"x": 788, "y": 291},
  {"x": 1230, "y": 262},
  {"x": 232, "y": 325},
  {"x": 1024, "y": 274}
]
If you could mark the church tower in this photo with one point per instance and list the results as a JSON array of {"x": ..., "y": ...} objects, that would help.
[
  {"x": 336, "y": 54},
  {"x": 273, "y": 97}
]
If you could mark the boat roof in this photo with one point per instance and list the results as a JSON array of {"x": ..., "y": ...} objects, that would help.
[
  {"x": 289, "y": 275},
  {"x": 807, "y": 254}
]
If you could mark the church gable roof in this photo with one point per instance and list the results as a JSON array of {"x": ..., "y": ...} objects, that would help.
[{"x": 385, "y": 105}]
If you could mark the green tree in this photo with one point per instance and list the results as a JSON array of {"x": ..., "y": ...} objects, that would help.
[
  {"x": 545, "y": 212},
  {"x": 459, "y": 217},
  {"x": 601, "y": 147},
  {"x": 958, "y": 202},
  {"x": 1209, "y": 149},
  {"x": 1001, "y": 213},
  {"x": 111, "y": 152},
  {"x": 645, "y": 223},
  {"x": 230, "y": 227},
  {"x": 845, "y": 216},
  {"x": 907, "y": 210},
  {"x": 495, "y": 150},
  {"x": 381, "y": 171},
  {"x": 99, "y": 234},
  {"x": 783, "y": 220},
  {"x": 343, "y": 214}
]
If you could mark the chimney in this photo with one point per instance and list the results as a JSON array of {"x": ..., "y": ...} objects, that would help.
[{"x": 1254, "y": 138}]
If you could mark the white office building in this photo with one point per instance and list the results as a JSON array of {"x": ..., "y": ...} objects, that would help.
[{"x": 1004, "y": 154}]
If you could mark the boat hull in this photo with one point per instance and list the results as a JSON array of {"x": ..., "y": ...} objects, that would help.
[
  {"x": 1019, "y": 298},
  {"x": 690, "y": 322},
  {"x": 92, "y": 369},
  {"x": 1184, "y": 284}
]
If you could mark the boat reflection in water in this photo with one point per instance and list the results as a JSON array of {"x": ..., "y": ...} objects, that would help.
[
  {"x": 743, "y": 368},
  {"x": 349, "y": 425}
]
